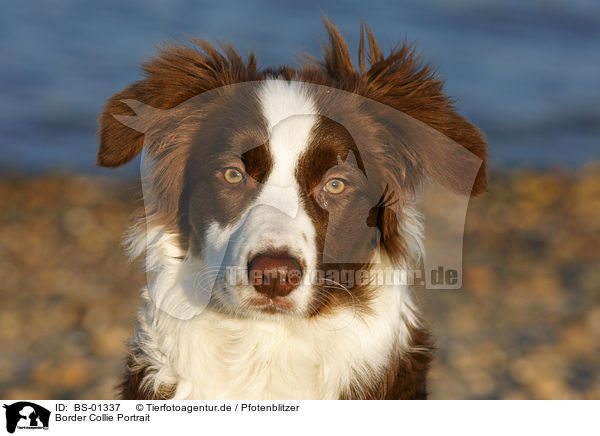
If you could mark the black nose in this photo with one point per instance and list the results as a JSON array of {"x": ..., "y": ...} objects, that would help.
[{"x": 274, "y": 274}]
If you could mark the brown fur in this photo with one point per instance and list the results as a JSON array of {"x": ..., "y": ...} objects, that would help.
[
  {"x": 176, "y": 74},
  {"x": 399, "y": 80}
]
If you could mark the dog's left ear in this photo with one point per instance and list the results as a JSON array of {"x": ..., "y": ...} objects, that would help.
[
  {"x": 403, "y": 82},
  {"x": 176, "y": 74}
]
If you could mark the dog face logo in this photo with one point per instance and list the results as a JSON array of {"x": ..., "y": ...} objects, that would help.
[{"x": 26, "y": 415}]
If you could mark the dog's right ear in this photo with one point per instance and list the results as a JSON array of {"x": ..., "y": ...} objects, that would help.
[
  {"x": 177, "y": 73},
  {"x": 118, "y": 142}
]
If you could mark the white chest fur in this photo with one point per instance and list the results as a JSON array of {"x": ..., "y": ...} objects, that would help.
[{"x": 214, "y": 356}]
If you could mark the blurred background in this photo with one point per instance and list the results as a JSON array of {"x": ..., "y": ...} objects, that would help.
[{"x": 526, "y": 323}]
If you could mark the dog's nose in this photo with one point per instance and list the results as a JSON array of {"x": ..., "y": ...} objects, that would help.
[{"x": 274, "y": 274}]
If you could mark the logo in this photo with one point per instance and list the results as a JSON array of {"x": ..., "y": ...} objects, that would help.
[{"x": 26, "y": 415}]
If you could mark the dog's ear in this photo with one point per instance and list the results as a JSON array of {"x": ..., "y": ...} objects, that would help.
[
  {"x": 118, "y": 142},
  {"x": 402, "y": 81},
  {"x": 177, "y": 73}
]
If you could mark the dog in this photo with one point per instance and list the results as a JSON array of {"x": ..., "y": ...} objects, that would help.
[{"x": 280, "y": 174}]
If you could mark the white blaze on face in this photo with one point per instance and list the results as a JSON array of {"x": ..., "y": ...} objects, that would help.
[
  {"x": 291, "y": 115},
  {"x": 276, "y": 219}
]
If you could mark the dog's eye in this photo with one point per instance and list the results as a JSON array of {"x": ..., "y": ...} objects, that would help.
[
  {"x": 335, "y": 186},
  {"x": 233, "y": 176}
]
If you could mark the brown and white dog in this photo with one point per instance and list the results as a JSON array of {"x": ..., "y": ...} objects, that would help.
[{"x": 282, "y": 176}]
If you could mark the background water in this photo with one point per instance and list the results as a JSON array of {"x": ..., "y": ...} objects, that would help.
[{"x": 526, "y": 72}]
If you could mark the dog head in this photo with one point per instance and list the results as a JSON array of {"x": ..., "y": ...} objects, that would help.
[{"x": 264, "y": 188}]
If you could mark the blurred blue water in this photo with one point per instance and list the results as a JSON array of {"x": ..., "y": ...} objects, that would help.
[{"x": 526, "y": 72}]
